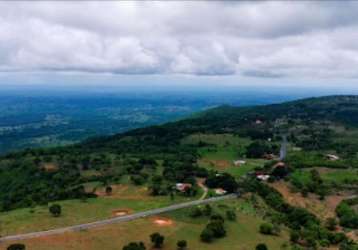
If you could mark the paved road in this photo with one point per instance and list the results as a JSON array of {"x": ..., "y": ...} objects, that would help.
[{"x": 114, "y": 220}]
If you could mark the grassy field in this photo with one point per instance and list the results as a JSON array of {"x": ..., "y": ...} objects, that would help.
[
  {"x": 340, "y": 176},
  {"x": 225, "y": 150},
  {"x": 242, "y": 234},
  {"x": 328, "y": 175},
  {"x": 74, "y": 212}
]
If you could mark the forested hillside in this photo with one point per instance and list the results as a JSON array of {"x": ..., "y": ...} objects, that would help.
[{"x": 204, "y": 146}]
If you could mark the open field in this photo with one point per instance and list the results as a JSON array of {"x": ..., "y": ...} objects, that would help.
[
  {"x": 328, "y": 175},
  {"x": 242, "y": 234},
  {"x": 225, "y": 149},
  {"x": 124, "y": 197}
]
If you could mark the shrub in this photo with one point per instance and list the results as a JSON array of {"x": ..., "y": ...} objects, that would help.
[
  {"x": 182, "y": 244},
  {"x": 266, "y": 228},
  {"x": 207, "y": 235},
  {"x": 55, "y": 210},
  {"x": 16, "y": 246},
  {"x": 157, "y": 239},
  {"x": 261, "y": 246},
  {"x": 134, "y": 246},
  {"x": 231, "y": 215},
  {"x": 108, "y": 190}
]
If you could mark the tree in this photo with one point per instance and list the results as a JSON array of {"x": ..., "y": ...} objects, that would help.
[
  {"x": 196, "y": 212},
  {"x": 182, "y": 244},
  {"x": 294, "y": 236},
  {"x": 217, "y": 227},
  {"x": 109, "y": 190},
  {"x": 231, "y": 215},
  {"x": 157, "y": 239},
  {"x": 134, "y": 246},
  {"x": 16, "y": 246},
  {"x": 266, "y": 228},
  {"x": 331, "y": 224},
  {"x": 207, "y": 210},
  {"x": 261, "y": 246},
  {"x": 207, "y": 235},
  {"x": 55, "y": 210}
]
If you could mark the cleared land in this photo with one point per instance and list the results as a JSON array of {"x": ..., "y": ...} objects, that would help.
[
  {"x": 75, "y": 212},
  {"x": 242, "y": 234}
]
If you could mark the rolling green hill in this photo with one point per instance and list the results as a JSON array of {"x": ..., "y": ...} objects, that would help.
[{"x": 205, "y": 146}]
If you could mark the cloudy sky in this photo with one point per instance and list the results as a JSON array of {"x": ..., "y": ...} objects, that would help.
[{"x": 238, "y": 42}]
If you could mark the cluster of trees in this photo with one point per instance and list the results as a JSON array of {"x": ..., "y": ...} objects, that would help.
[
  {"x": 313, "y": 184},
  {"x": 259, "y": 148},
  {"x": 222, "y": 180},
  {"x": 25, "y": 184},
  {"x": 305, "y": 227},
  {"x": 348, "y": 217},
  {"x": 214, "y": 229}
]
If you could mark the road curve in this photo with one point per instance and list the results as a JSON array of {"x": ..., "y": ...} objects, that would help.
[{"x": 125, "y": 218}]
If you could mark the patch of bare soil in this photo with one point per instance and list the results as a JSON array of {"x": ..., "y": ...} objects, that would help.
[
  {"x": 121, "y": 212},
  {"x": 323, "y": 209},
  {"x": 162, "y": 221},
  {"x": 49, "y": 167},
  {"x": 219, "y": 164}
]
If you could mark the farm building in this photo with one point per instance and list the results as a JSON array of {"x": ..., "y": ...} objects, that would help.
[{"x": 182, "y": 187}]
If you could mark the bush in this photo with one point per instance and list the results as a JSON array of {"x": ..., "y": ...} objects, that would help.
[
  {"x": 331, "y": 224},
  {"x": 261, "y": 246},
  {"x": 207, "y": 235},
  {"x": 267, "y": 228},
  {"x": 231, "y": 215},
  {"x": 195, "y": 212},
  {"x": 157, "y": 239},
  {"x": 109, "y": 190},
  {"x": 134, "y": 246},
  {"x": 16, "y": 247},
  {"x": 182, "y": 244},
  {"x": 55, "y": 210},
  {"x": 217, "y": 227}
]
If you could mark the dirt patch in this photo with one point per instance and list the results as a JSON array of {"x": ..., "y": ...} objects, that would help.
[
  {"x": 218, "y": 164},
  {"x": 49, "y": 167},
  {"x": 121, "y": 212},
  {"x": 322, "y": 209},
  {"x": 162, "y": 221}
]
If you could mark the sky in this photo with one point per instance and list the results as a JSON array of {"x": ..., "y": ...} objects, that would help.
[{"x": 201, "y": 43}]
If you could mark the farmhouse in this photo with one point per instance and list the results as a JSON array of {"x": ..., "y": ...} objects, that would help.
[
  {"x": 239, "y": 163},
  {"x": 332, "y": 157},
  {"x": 220, "y": 191},
  {"x": 262, "y": 176},
  {"x": 182, "y": 187}
]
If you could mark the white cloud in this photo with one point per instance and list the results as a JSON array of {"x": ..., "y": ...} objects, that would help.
[{"x": 257, "y": 39}]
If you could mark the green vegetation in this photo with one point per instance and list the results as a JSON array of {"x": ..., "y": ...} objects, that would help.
[{"x": 199, "y": 150}]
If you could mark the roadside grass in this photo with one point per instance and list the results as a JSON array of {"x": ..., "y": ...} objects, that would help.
[
  {"x": 76, "y": 211},
  {"x": 242, "y": 234}
]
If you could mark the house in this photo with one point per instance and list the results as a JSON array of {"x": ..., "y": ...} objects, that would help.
[
  {"x": 258, "y": 122},
  {"x": 220, "y": 191},
  {"x": 262, "y": 176},
  {"x": 182, "y": 187},
  {"x": 332, "y": 157},
  {"x": 239, "y": 162}
]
